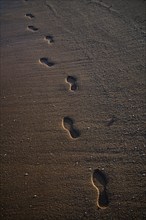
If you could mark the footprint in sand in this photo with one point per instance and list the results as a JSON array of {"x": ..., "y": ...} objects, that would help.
[
  {"x": 50, "y": 39},
  {"x": 32, "y": 28},
  {"x": 112, "y": 120},
  {"x": 45, "y": 61},
  {"x": 29, "y": 15},
  {"x": 99, "y": 181},
  {"x": 72, "y": 82},
  {"x": 68, "y": 124}
]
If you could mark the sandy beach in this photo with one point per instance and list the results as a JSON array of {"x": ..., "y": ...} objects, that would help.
[{"x": 72, "y": 79}]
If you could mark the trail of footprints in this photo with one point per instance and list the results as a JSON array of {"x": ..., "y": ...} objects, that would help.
[{"x": 98, "y": 178}]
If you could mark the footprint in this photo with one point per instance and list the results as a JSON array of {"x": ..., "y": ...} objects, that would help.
[
  {"x": 49, "y": 39},
  {"x": 67, "y": 124},
  {"x": 32, "y": 28},
  {"x": 46, "y": 62},
  {"x": 29, "y": 15},
  {"x": 99, "y": 181},
  {"x": 73, "y": 83},
  {"x": 112, "y": 120}
]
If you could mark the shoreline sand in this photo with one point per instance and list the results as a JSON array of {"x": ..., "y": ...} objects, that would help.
[{"x": 73, "y": 110}]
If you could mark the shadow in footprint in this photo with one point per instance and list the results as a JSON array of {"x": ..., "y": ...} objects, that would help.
[
  {"x": 99, "y": 181},
  {"x": 50, "y": 39},
  {"x": 73, "y": 82},
  {"x": 32, "y": 28},
  {"x": 68, "y": 125},
  {"x": 112, "y": 120},
  {"x": 46, "y": 62},
  {"x": 29, "y": 15}
]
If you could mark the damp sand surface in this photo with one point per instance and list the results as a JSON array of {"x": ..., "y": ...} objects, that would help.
[{"x": 72, "y": 110}]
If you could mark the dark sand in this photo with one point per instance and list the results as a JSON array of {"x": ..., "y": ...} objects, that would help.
[{"x": 46, "y": 172}]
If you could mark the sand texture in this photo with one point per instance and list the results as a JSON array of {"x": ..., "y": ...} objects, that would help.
[{"x": 73, "y": 110}]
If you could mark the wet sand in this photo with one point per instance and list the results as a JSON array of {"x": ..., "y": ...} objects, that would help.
[{"x": 73, "y": 110}]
